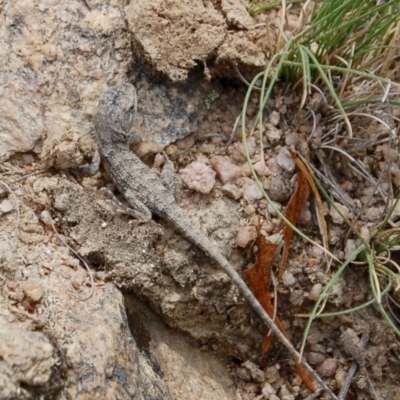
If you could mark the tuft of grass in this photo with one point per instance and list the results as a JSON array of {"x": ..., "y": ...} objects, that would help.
[{"x": 345, "y": 56}]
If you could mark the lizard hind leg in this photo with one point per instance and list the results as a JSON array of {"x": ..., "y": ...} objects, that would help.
[{"x": 140, "y": 212}]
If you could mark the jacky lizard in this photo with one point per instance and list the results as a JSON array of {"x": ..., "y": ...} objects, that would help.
[{"x": 146, "y": 193}]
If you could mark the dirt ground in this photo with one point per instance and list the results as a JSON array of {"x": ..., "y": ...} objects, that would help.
[{"x": 152, "y": 289}]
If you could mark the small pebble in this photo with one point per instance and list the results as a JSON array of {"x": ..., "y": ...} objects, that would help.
[
  {"x": 288, "y": 279},
  {"x": 315, "y": 358},
  {"x": 315, "y": 292},
  {"x": 274, "y": 118},
  {"x": 336, "y": 217},
  {"x": 231, "y": 191},
  {"x": 245, "y": 235},
  {"x": 226, "y": 171},
  {"x": 285, "y": 160},
  {"x": 198, "y": 177},
  {"x": 268, "y": 390},
  {"x": 256, "y": 374},
  {"x": 261, "y": 168},
  {"x": 6, "y": 206},
  {"x": 243, "y": 374},
  {"x": 250, "y": 190},
  {"x": 33, "y": 289},
  {"x": 272, "y": 374},
  {"x": 279, "y": 189},
  {"x": 273, "y": 134},
  {"x": 328, "y": 368},
  {"x": 275, "y": 238},
  {"x": 350, "y": 248}
]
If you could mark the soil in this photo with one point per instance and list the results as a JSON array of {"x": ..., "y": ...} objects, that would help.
[{"x": 191, "y": 119}]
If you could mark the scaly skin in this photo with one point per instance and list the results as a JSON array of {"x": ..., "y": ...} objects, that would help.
[{"x": 147, "y": 195}]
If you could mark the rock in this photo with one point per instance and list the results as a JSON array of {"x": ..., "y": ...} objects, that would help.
[
  {"x": 56, "y": 60},
  {"x": 250, "y": 190},
  {"x": 245, "y": 235},
  {"x": 285, "y": 160},
  {"x": 182, "y": 34},
  {"x": 6, "y": 206},
  {"x": 177, "y": 36},
  {"x": 336, "y": 217},
  {"x": 226, "y": 171},
  {"x": 198, "y": 177},
  {"x": 33, "y": 289},
  {"x": 29, "y": 364},
  {"x": 328, "y": 368},
  {"x": 184, "y": 368}
]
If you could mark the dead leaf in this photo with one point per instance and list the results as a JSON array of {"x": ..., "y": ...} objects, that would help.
[
  {"x": 259, "y": 279},
  {"x": 294, "y": 208}
]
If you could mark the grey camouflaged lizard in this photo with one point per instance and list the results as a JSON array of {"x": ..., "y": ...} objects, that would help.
[{"x": 147, "y": 195}]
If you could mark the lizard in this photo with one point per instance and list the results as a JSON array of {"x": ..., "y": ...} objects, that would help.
[{"x": 147, "y": 194}]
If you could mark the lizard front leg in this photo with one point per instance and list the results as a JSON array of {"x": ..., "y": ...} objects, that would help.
[{"x": 88, "y": 169}]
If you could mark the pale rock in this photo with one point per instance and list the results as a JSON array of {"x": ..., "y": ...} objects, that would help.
[
  {"x": 236, "y": 14},
  {"x": 243, "y": 373},
  {"x": 231, "y": 191},
  {"x": 273, "y": 134},
  {"x": 159, "y": 160},
  {"x": 291, "y": 139},
  {"x": 274, "y": 118},
  {"x": 317, "y": 251},
  {"x": 268, "y": 390},
  {"x": 274, "y": 208},
  {"x": 245, "y": 235},
  {"x": 288, "y": 279},
  {"x": 33, "y": 289},
  {"x": 285, "y": 394},
  {"x": 28, "y": 358},
  {"x": 226, "y": 171},
  {"x": 350, "y": 248},
  {"x": 285, "y": 160},
  {"x": 256, "y": 374},
  {"x": 251, "y": 146},
  {"x": 6, "y": 206},
  {"x": 305, "y": 218},
  {"x": 334, "y": 214},
  {"x": 198, "y": 177},
  {"x": 365, "y": 233},
  {"x": 315, "y": 292},
  {"x": 272, "y": 374},
  {"x": 276, "y": 238},
  {"x": 250, "y": 190},
  {"x": 274, "y": 166},
  {"x": 250, "y": 209},
  {"x": 328, "y": 368},
  {"x": 261, "y": 168},
  {"x": 56, "y": 59},
  {"x": 372, "y": 213}
]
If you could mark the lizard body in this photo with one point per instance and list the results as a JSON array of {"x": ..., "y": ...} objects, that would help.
[
  {"x": 142, "y": 187},
  {"x": 147, "y": 195}
]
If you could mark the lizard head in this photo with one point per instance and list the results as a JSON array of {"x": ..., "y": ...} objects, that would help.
[{"x": 116, "y": 112}]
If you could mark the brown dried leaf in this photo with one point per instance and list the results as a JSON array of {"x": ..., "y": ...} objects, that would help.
[
  {"x": 259, "y": 279},
  {"x": 294, "y": 208}
]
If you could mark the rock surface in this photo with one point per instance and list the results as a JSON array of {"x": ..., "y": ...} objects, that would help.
[
  {"x": 57, "y": 59},
  {"x": 56, "y": 341}
]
